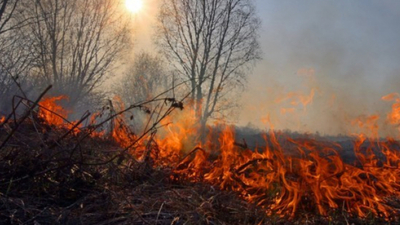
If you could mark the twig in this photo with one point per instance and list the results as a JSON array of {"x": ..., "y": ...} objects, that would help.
[
  {"x": 145, "y": 133},
  {"x": 37, "y": 132},
  {"x": 14, "y": 79},
  {"x": 344, "y": 216},
  {"x": 244, "y": 145},
  {"x": 11, "y": 114},
  {"x": 187, "y": 155},
  {"x": 25, "y": 116},
  {"x": 241, "y": 168},
  {"x": 159, "y": 211},
  {"x": 18, "y": 84},
  {"x": 140, "y": 217},
  {"x": 14, "y": 108},
  {"x": 36, "y": 216},
  {"x": 70, "y": 130}
]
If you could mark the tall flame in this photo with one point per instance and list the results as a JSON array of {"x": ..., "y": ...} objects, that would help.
[{"x": 52, "y": 112}]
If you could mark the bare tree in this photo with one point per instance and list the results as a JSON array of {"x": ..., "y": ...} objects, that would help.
[
  {"x": 14, "y": 62},
  {"x": 13, "y": 57},
  {"x": 212, "y": 43},
  {"x": 7, "y": 8},
  {"x": 74, "y": 43},
  {"x": 145, "y": 78}
]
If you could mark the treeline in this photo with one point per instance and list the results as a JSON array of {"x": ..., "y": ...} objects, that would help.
[{"x": 76, "y": 45}]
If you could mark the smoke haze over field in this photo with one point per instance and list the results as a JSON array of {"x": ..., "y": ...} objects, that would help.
[
  {"x": 325, "y": 63},
  {"x": 346, "y": 53}
]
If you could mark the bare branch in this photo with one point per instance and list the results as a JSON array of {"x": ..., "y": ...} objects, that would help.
[{"x": 212, "y": 43}]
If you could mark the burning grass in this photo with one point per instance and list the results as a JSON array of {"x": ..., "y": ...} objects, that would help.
[{"x": 58, "y": 172}]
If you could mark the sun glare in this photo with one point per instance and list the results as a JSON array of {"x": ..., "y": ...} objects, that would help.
[{"x": 134, "y": 5}]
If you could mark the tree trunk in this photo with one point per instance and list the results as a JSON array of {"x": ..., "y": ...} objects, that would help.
[{"x": 203, "y": 131}]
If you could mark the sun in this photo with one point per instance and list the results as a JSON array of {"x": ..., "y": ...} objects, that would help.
[{"x": 134, "y": 5}]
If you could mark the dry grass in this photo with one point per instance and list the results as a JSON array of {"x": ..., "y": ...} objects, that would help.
[
  {"x": 49, "y": 175},
  {"x": 76, "y": 183}
]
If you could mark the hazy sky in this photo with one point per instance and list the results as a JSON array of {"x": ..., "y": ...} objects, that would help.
[{"x": 324, "y": 64}]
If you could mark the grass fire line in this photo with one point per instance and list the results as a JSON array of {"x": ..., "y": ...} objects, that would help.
[{"x": 282, "y": 179}]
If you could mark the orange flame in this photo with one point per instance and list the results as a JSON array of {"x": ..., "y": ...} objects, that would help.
[
  {"x": 285, "y": 175},
  {"x": 51, "y": 112},
  {"x": 295, "y": 99},
  {"x": 280, "y": 183},
  {"x": 120, "y": 132},
  {"x": 55, "y": 115},
  {"x": 394, "y": 116},
  {"x": 369, "y": 124}
]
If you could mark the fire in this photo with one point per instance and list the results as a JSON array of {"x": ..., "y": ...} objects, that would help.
[
  {"x": 178, "y": 138},
  {"x": 315, "y": 176},
  {"x": 119, "y": 130},
  {"x": 295, "y": 99},
  {"x": 394, "y": 116},
  {"x": 283, "y": 177},
  {"x": 280, "y": 183},
  {"x": 51, "y": 112},
  {"x": 55, "y": 115},
  {"x": 2, "y": 119},
  {"x": 368, "y": 124}
]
